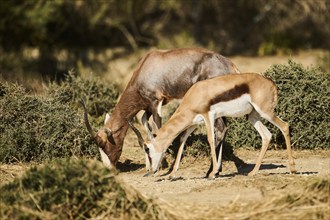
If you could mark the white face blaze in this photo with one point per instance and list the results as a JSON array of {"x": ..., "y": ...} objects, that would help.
[
  {"x": 107, "y": 119},
  {"x": 155, "y": 157},
  {"x": 105, "y": 159}
]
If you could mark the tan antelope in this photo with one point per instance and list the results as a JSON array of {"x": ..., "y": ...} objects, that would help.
[
  {"x": 232, "y": 95},
  {"x": 161, "y": 76}
]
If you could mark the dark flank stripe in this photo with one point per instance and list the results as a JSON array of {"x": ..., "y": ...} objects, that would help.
[{"x": 231, "y": 94}]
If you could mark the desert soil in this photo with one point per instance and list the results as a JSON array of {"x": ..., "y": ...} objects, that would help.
[{"x": 192, "y": 189}]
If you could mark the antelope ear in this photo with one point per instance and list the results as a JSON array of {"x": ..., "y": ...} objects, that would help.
[{"x": 107, "y": 118}]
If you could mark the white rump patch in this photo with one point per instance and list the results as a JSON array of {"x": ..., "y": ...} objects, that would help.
[
  {"x": 105, "y": 159},
  {"x": 234, "y": 108}
]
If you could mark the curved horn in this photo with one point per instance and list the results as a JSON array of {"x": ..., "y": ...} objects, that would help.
[
  {"x": 88, "y": 126},
  {"x": 138, "y": 134}
]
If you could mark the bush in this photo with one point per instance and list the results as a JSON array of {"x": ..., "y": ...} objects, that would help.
[
  {"x": 73, "y": 189},
  {"x": 100, "y": 97},
  {"x": 37, "y": 128},
  {"x": 304, "y": 99}
]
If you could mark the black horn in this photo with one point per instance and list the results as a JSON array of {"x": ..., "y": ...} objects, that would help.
[
  {"x": 88, "y": 126},
  {"x": 138, "y": 134}
]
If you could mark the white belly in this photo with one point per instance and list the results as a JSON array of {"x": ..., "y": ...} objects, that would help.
[{"x": 233, "y": 108}]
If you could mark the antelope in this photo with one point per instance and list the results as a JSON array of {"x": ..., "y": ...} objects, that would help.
[
  {"x": 233, "y": 95},
  {"x": 160, "y": 76}
]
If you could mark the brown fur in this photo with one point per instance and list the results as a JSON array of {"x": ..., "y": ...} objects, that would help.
[{"x": 231, "y": 94}]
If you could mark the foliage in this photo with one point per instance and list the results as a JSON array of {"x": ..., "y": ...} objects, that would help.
[
  {"x": 73, "y": 189},
  {"x": 135, "y": 23},
  {"x": 74, "y": 27},
  {"x": 304, "y": 102},
  {"x": 38, "y": 128},
  {"x": 99, "y": 97}
]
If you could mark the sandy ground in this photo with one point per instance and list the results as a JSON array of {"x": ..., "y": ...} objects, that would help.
[{"x": 191, "y": 188}]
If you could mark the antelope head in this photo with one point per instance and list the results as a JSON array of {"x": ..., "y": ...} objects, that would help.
[
  {"x": 104, "y": 140},
  {"x": 153, "y": 156}
]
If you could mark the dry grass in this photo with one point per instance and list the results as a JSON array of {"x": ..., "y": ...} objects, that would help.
[
  {"x": 9, "y": 171},
  {"x": 309, "y": 202},
  {"x": 74, "y": 189}
]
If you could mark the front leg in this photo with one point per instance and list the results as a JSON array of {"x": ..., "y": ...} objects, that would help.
[
  {"x": 144, "y": 119},
  {"x": 209, "y": 122},
  {"x": 183, "y": 140},
  {"x": 156, "y": 110}
]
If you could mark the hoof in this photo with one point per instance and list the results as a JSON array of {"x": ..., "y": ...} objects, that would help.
[
  {"x": 293, "y": 172},
  {"x": 147, "y": 174},
  {"x": 211, "y": 176},
  {"x": 171, "y": 177}
]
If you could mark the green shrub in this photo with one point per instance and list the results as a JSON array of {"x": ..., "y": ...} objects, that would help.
[
  {"x": 37, "y": 128},
  {"x": 100, "y": 97},
  {"x": 73, "y": 189},
  {"x": 304, "y": 102}
]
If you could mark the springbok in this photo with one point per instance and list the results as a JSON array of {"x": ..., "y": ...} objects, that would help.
[
  {"x": 233, "y": 95},
  {"x": 161, "y": 76}
]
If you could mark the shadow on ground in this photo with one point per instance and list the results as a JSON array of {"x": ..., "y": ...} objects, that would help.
[{"x": 129, "y": 166}]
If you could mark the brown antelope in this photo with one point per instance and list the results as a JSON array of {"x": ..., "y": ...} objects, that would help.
[
  {"x": 161, "y": 76},
  {"x": 233, "y": 95}
]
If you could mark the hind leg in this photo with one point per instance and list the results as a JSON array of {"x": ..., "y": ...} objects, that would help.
[
  {"x": 284, "y": 127},
  {"x": 254, "y": 118}
]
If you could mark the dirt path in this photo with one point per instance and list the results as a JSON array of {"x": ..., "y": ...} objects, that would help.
[{"x": 192, "y": 189}]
